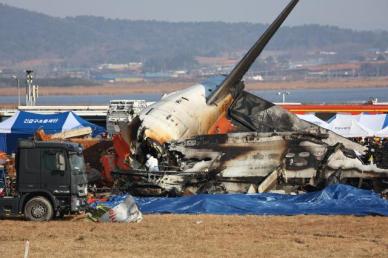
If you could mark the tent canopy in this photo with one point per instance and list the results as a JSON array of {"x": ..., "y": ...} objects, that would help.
[
  {"x": 363, "y": 125},
  {"x": 348, "y": 127},
  {"x": 25, "y": 124},
  {"x": 374, "y": 122},
  {"x": 383, "y": 133},
  {"x": 314, "y": 119}
]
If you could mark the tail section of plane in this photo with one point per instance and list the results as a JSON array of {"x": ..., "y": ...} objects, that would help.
[{"x": 236, "y": 75}]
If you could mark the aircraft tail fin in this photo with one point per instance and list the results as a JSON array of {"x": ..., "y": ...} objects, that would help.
[{"x": 238, "y": 72}]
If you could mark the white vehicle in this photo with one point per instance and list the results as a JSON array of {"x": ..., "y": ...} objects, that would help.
[{"x": 122, "y": 111}]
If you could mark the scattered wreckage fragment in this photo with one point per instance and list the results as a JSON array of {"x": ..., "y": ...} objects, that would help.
[{"x": 116, "y": 209}]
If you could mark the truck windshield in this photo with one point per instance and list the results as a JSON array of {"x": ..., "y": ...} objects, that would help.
[{"x": 77, "y": 163}]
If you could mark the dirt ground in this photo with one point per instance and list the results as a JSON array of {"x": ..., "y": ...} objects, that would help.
[
  {"x": 201, "y": 236},
  {"x": 166, "y": 87}
]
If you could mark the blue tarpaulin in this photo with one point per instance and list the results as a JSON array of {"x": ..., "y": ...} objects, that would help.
[{"x": 333, "y": 200}]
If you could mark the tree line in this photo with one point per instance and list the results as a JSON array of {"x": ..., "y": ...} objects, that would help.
[{"x": 88, "y": 40}]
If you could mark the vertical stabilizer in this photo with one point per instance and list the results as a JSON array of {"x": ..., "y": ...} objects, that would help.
[{"x": 236, "y": 75}]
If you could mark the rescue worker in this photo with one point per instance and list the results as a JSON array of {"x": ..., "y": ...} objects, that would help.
[
  {"x": 152, "y": 164},
  {"x": 385, "y": 154},
  {"x": 371, "y": 159}
]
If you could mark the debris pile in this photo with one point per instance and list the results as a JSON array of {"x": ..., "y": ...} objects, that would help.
[{"x": 115, "y": 209}]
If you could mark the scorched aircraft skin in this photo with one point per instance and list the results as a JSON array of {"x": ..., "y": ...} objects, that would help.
[{"x": 216, "y": 138}]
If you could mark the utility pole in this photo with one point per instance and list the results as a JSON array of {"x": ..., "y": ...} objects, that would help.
[
  {"x": 18, "y": 85},
  {"x": 31, "y": 90},
  {"x": 284, "y": 93},
  {"x": 28, "y": 87}
]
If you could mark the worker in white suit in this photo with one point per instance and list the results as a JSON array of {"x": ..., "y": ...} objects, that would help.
[{"x": 152, "y": 164}]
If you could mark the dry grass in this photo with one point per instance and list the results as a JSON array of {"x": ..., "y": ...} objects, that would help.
[
  {"x": 380, "y": 82},
  {"x": 108, "y": 89},
  {"x": 201, "y": 236},
  {"x": 165, "y": 87}
]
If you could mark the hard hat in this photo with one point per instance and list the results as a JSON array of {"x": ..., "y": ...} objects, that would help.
[{"x": 148, "y": 156}]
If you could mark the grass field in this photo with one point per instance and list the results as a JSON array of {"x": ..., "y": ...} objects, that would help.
[{"x": 201, "y": 236}]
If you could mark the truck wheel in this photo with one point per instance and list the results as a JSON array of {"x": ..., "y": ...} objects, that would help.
[{"x": 38, "y": 209}]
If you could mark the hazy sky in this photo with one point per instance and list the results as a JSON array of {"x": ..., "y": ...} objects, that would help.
[{"x": 356, "y": 14}]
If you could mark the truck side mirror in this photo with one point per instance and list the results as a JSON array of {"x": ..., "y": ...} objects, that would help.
[{"x": 61, "y": 165}]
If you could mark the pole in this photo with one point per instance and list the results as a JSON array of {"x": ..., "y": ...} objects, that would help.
[
  {"x": 283, "y": 93},
  {"x": 26, "y": 249},
  {"x": 18, "y": 84},
  {"x": 29, "y": 88}
]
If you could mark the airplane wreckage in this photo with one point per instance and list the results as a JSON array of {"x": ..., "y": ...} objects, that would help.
[{"x": 214, "y": 137}]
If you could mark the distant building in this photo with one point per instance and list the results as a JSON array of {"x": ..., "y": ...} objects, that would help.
[
  {"x": 333, "y": 71},
  {"x": 179, "y": 74},
  {"x": 133, "y": 66},
  {"x": 256, "y": 78}
]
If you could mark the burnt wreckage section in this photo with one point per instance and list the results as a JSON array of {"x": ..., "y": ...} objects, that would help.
[
  {"x": 262, "y": 148},
  {"x": 271, "y": 150}
]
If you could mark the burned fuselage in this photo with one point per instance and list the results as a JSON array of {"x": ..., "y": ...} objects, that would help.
[
  {"x": 178, "y": 115},
  {"x": 242, "y": 162}
]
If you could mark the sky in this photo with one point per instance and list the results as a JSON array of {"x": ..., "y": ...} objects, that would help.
[{"x": 354, "y": 14}]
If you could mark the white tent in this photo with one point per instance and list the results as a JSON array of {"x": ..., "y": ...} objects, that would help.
[
  {"x": 382, "y": 133},
  {"x": 343, "y": 118},
  {"x": 373, "y": 122},
  {"x": 350, "y": 128},
  {"x": 315, "y": 120},
  {"x": 363, "y": 125}
]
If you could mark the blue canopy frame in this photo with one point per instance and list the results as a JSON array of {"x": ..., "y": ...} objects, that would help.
[{"x": 24, "y": 124}]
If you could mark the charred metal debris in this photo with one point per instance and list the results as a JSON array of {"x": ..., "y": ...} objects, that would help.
[{"x": 269, "y": 150}]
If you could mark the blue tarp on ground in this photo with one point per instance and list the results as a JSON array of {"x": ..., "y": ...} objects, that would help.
[
  {"x": 333, "y": 200},
  {"x": 24, "y": 124}
]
